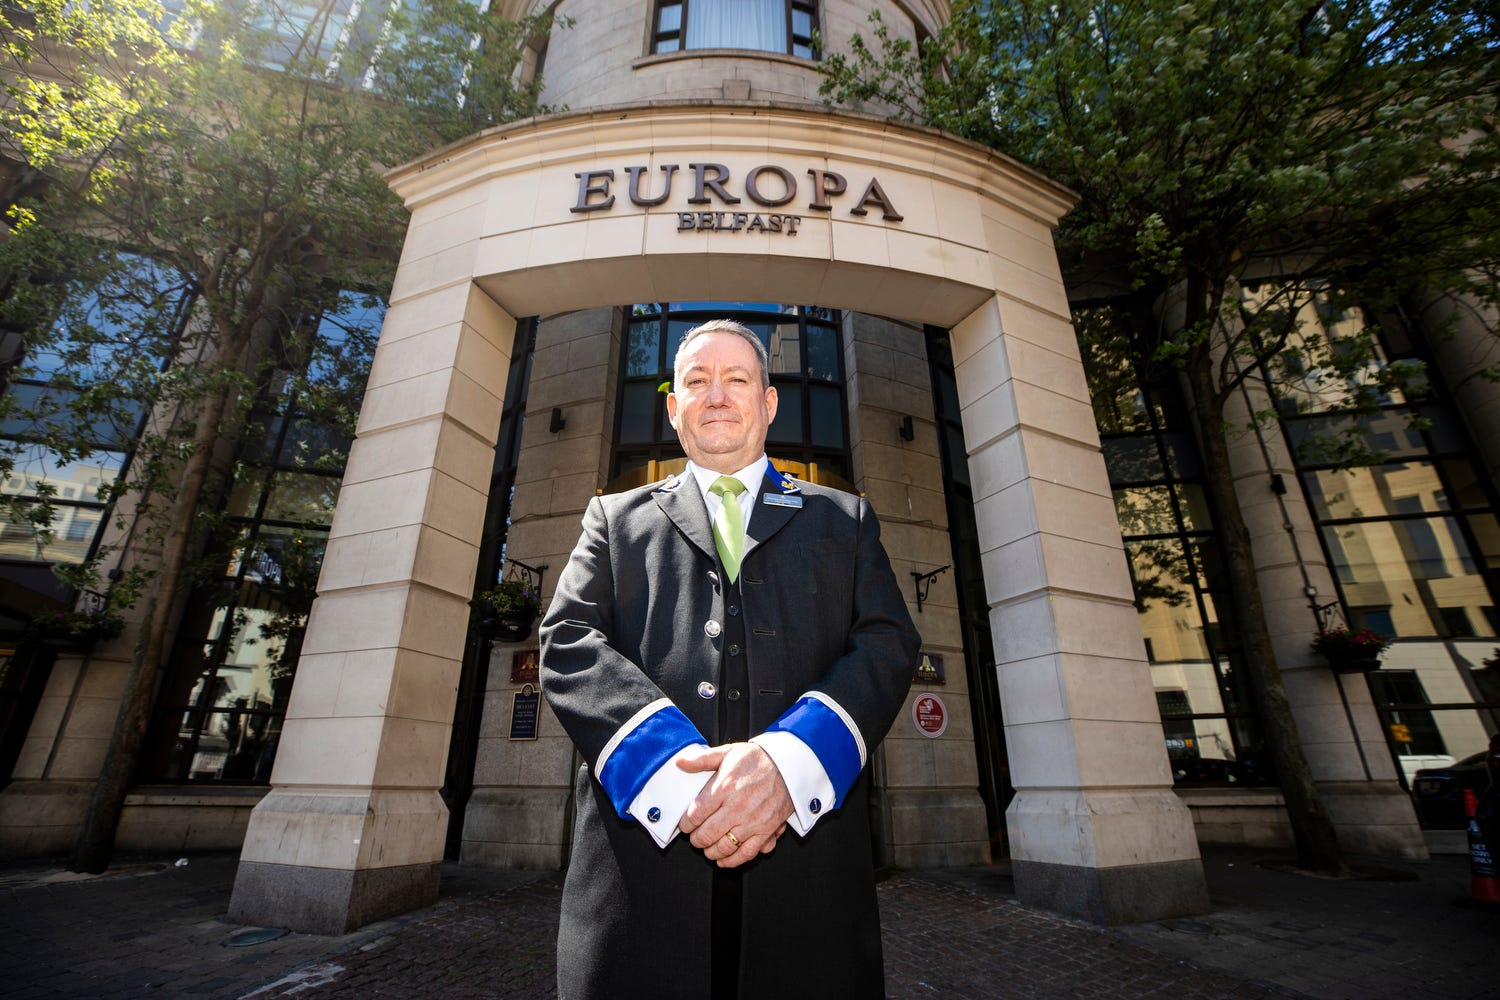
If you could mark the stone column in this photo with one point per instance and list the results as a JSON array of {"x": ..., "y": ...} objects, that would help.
[
  {"x": 1337, "y": 725},
  {"x": 1095, "y": 828},
  {"x": 930, "y": 786},
  {"x": 353, "y": 828},
  {"x": 519, "y": 813},
  {"x": 1461, "y": 333},
  {"x": 1340, "y": 732}
]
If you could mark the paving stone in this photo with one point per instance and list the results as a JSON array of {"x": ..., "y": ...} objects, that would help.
[{"x": 151, "y": 930}]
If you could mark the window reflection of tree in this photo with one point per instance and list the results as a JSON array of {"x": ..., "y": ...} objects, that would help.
[
  {"x": 230, "y": 681},
  {"x": 1173, "y": 557}
]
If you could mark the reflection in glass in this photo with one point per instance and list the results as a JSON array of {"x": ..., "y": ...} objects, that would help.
[
  {"x": 822, "y": 353},
  {"x": 1404, "y": 487},
  {"x": 638, "y": 405},
  {"x": 643, "y": 349},
  {"x": 77, "y": 504},
  {"x": 1210, "y": 751},
  {"x": 1185, "y": 688},
  {"x": 1133, "y": 460},
  {"x": 1320, "y": 440},
  {"x": 1486, "y": 529},
  {"x": 1145, "y": 510},
  {"x": 237, "y": 746},
  {"x": 1168, "y": 528},
  {"x": 827, "y": 412},
  {"x": 804, "y": 361},
  {"x": 38, "y": 469},
  {"x": 783, "y": 345},
  {"x": 230, "y": 674},
  {"x": 787, "y": 427},
  {"x": 1193, "y": 502},
  {"x": 1415, "y": 567},
  {"x": 301, "y": 497},
  {"x": 1164, "y": 596}
]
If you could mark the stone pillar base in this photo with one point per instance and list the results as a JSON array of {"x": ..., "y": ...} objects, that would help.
[
  {"x": 523, "y": 828},
  {"x": 39, "y": 819},
  {"x": 328, "y": 860},
  {"x": 328, "y": 900},
  {"x": 1129, "y": 894},
  {"x": 937, "y": 827},
  {"x": 1113, "y": 856},
  {"x": 1375, "y": 818}
]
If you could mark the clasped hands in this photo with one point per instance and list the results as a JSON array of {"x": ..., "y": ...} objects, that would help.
[{"x": 746, "y": 796}]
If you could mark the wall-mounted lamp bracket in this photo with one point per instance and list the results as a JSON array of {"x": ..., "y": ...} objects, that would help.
[
  {"x": 1330, "y": 615},
  {"x": 905, "y": 429},
  {"x": 558, "y": 420},
  {"x": 923, "y": 583},
  {"x": 534, "y": 574}
]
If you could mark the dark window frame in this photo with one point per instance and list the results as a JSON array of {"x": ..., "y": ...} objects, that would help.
[
  {"x": 177, "y": 298},
  {"x": 1161, "y": 422},
  {"x": 798, "y": 44},
  {"x": 664, "y": 446},
  {"x": 213, "y": 625}
]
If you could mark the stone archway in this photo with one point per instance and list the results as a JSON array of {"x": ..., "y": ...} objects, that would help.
[{"x": 660, "y": 204}]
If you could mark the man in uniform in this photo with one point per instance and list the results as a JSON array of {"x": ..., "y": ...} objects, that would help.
[{"x": 724, "y": 648}]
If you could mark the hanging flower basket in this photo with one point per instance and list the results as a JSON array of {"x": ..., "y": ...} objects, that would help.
[
  {"x": 509, "y": 629},
  {"x": 1350, "y": 651},
  {"x": 508, "y": 610},
  {"x": 75, "y": 629}
]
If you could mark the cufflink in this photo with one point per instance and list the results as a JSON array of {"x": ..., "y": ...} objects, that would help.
[
  {"x": 815, "y": 806},
  {"x": 653, "y": 814}
]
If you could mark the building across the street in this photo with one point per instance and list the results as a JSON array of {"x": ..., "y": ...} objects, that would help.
[{"x": 1078, "y": 708}]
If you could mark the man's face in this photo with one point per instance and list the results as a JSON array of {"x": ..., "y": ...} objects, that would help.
[{"x": 719, "y": 410}]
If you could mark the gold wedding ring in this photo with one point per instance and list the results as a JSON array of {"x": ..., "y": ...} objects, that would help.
[{"x": 732, "y": 838}]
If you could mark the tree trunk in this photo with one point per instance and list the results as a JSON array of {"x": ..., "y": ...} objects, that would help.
[
  {"x": 1317, "y": 842},
  {"x": 96, "y": 836}
]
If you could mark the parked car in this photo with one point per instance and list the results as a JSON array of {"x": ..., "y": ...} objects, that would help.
[{"x": 1438, "y": 792}]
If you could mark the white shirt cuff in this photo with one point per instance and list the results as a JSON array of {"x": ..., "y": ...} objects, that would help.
[
  {"x": 666, "y": 796},
  {"x": 806, "y": 780}
]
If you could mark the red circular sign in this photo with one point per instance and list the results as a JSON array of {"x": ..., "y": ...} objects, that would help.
[{"x": 930, "y": 715}]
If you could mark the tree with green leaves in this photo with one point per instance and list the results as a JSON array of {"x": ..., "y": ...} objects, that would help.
[
  {"x": 1235, "y": 161},
  {"x": 185, "y": 182}
]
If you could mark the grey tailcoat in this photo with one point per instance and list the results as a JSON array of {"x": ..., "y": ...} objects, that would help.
[{"x": 629, "y": 624}]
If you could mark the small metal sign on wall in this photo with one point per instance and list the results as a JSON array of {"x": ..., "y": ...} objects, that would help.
[
  {"x": 523, "y": 666},
  {"x": 930, "y": 715},
  {"x": 929, "y": 670},
  {"x": 525, "y": 713}
]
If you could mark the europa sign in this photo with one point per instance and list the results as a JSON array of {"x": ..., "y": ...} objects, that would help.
[{"x": 767, "y": 186}]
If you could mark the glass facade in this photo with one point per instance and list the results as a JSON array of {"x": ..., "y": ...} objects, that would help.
[
  {"x": 220, "y": 711},
  {"x": 807, "y": 368},
  {"x": 102, "y": 335},
  {"x": 1212, "y": 737},
  {"x": 1408, "y": 523}
]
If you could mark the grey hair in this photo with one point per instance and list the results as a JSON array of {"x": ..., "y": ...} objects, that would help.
[{"x": 762, "y": 358}]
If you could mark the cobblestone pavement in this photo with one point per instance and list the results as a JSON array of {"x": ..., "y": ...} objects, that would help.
[{"x": 152, "y": 929}]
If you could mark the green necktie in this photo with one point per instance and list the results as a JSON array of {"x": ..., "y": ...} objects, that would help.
[{"x": 729, "y": 524}]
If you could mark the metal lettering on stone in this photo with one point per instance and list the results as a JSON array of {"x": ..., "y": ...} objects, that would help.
[{"x": 769, "y": 186}]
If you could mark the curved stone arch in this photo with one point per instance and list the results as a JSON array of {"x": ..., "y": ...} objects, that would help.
[{"x": 504, "y": 224}]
